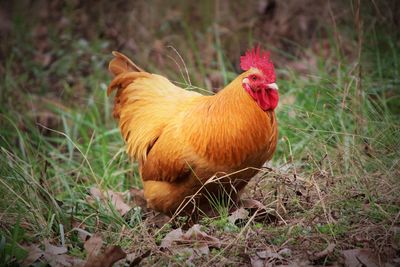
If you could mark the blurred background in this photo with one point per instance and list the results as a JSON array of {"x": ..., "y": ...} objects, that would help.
[
  {"x": 58, "y": 43},
  {"x": 338, "y": 69}
]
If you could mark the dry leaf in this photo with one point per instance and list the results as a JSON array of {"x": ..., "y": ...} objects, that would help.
[
  {"x": 326, "y": 252},
  {"x": 49, "y": 248},
  {"x": 118, "y": 202},
  {"x": 267, "y": 256},
  {"x": 115, "y": 198},
  {"x": 158, "y": 220},
  {"x": 64, "y": 260},
  {"x": 93, "y": 245},
  {"x": 195, "y": 234},
  {"x": 95, "y": 257},
  {"x": 255, "y": 206},
  {"x": 56, "y": 256},
  {"x": 82, "y": 234},
  {"x": 239, "y": 214},
  {"x": 96, "y": 193},
  {"x": 359, "y": 258},
  {"x": 34, "y": 253},
  {"x": 200, "y": 240},
  {"x": 194, "y": 239},
  {"x": 256, "y": 262},
  {"x": 110, "y": 256},
  {"x": 252, "y": 204},
  {"x": 172, "y": 236}
]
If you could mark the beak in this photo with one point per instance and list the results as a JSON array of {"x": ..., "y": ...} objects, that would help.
[{"x": 273, "y": 86}]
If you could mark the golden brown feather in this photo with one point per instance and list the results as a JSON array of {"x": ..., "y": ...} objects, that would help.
[{"x": 182, "y": 138}]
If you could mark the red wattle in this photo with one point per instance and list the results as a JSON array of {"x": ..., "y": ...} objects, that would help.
[{"x": 267, "y": 99}]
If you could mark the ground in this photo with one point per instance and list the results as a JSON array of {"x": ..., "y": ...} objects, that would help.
[{"x": 329, "y": 196}]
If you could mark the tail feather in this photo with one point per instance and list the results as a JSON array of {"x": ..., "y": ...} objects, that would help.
[
  {"x": 143, "y": 104},
  {"x": 121, "y": 63},
  {"x": 123, "y": 79}
]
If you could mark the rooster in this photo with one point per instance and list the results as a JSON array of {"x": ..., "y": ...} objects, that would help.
[{"x": 182, "y": 138}]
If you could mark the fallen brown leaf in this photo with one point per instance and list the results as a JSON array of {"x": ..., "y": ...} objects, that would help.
[
  {"x": 255, "y": 206},
  {"x": 115, "y": 198},
  {"x": 359, "y": 258},
  {"x": 194, "y": 234},
  {"x": 194, "y": 240},
  {"x": 251, "y": 204},
  {"x": 97, "y": 258},
  {"x": 34, "y": 253},
  {"x": 256, "y": 262},
  {"x": 93, "y": 245},
  {"x": 266, "y": 258},
  {"x": 268, "y": 254},
  {"x": 239, "y": 214},
  {"x": 51, "y": 249},
  {"x": 118, "y": 202},
  {"x": 82, "y": 234},
  {"x": 326, "y": 252},
  {"x": 57, "y": 257},
  {"x": 158, "y": 220},
  {"x": 96, "y": 193},
  {"x": 171, "y": 237},
  {"x": 110, "y": 256}
]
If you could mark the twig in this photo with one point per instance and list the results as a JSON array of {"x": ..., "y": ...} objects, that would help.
[
  {"x": 184, "y": 64},
  {"x": 328, "y": 250}
]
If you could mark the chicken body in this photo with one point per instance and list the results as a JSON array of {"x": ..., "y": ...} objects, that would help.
[{"x": 182, "y": 138}]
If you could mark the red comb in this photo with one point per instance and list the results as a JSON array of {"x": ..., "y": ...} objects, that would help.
[{"x": 259, "y": 60}]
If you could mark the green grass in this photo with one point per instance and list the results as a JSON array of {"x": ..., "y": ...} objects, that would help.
[{"x": 336, "y": 169}]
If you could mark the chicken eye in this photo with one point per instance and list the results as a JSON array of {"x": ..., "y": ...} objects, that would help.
[{"x": 254, "y": 78}]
